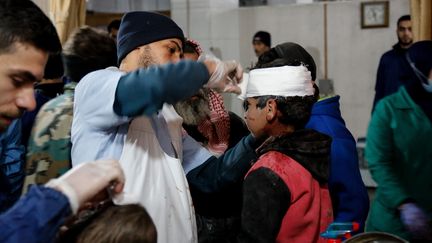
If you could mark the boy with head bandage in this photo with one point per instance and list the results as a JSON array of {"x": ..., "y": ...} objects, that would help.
[
  {"x": 348, "y": 193},
  {"x": 285, "y": 194}
]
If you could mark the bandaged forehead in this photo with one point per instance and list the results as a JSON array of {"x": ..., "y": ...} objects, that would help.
[{"x": 279, "y": 81}]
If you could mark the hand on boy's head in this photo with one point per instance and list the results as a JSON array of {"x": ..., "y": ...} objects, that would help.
[
  {"x": 234, "y": 78},
  {"x": 235, "y": 71},
  {"x": 231, "y": 88},
  {"x": 224, "y": 75},
  {"x": 87, "y": 180},
  {"x": 105, "y": 195}
]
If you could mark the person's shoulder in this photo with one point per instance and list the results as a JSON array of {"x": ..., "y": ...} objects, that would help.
[
  {"x": 393, "y": 102},
  {"x": 96, "y": 79},
  {"x": 102, "y": 73},
  {"x": 389, "y": 54},
  {"x": 395, "y": 99},
  {"x": 271, "y": 159},
  {"x": 59, "y": 101}
]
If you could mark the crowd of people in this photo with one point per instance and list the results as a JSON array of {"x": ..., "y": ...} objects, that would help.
[{"x": 124, "y": 137}]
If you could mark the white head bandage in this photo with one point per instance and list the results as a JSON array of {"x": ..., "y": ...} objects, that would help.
[{"x": 279, "y": 81}]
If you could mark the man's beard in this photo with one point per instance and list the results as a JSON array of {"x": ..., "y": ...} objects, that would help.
[
  {"x": 405, "y": 44},
  {"x": 195, "y": 109},
  {"x": 146, "y": 60}
]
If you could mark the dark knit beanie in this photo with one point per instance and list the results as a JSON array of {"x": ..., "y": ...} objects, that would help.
[
  {"x": 141, "y": 28},
  {"x": 263, "y": 37}
]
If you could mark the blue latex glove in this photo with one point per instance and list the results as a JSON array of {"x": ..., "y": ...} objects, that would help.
[{"x": 416, "y": 221}]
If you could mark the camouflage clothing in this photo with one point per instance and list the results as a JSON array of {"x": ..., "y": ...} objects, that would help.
[{"x": 48, "y": 151}]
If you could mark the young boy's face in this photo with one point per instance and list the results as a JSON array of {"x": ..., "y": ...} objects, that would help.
[{"x": 255, "y": 117}]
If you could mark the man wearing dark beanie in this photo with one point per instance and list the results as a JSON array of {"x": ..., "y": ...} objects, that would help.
[
  {"x": 126, "y": 113},
  {"x": 261, "y": 42}
]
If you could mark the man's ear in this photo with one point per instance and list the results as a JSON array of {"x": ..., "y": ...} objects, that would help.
[{"x": 271, "y": 109}]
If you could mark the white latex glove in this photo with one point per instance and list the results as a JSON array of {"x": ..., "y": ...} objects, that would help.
[
  {"x": 243, "y": 86},
  {"x": 224, "y": 75},
  {"x": 84, "y": 181}
]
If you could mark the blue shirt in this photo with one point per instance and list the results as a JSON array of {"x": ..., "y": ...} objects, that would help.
[
  {"x": 348, "y": 193},
  {"x": 12, "y": 165},
  {"x": 36, "y": 217},
  {"x": 393, "y": 72}
]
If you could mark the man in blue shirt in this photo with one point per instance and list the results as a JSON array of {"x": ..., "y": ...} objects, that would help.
[
  {"x": 127, "y": 114},
  {"x": 393, "y": 70}
]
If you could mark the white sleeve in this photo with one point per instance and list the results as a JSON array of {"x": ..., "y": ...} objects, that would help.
[{"x": 94, "y": 99}]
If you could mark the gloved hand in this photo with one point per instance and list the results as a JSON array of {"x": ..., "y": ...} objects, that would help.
[
  {"x": 83, "y": 182},
  {"x": 225, "y": 75},
  {"x": 416, "y": 221}
]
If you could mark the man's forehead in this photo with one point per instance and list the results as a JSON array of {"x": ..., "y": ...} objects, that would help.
[
  {"x": 257, "y": 42},
  {"x": 405, "y": 23},
  {"x": 26, "y": 61},
  {"x": 175, "y": 41}
]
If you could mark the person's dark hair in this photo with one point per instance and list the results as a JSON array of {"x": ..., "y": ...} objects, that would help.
[
  {"x": 403, "y": 18},
  {"x": 22, "y": 21},
  {"x": 54, "y": 67},
  {"x": 88, "y": 49},
  {"x": 125, "y": 223},
  {"x": 190, "y": 47},
  {"x": 262, "y": 36},
  {"x": 295, "y": 110},
  {"x": 115, "y": 24},
  {"x": 287, "y": 54}
]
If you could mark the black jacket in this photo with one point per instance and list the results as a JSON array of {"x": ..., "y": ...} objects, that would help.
[{"x": 266, "y": 197}]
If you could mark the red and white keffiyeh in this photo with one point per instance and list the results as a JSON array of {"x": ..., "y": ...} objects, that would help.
[{"x": 216, "y": 129}]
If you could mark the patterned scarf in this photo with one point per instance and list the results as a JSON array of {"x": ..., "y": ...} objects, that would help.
[{"x": 216, "y": 129}]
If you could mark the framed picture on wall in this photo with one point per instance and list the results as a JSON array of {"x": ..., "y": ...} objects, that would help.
[{"x": 374, "y": 14}]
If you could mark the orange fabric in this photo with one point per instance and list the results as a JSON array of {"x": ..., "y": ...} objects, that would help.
[
  {"x": 67, "y": 15},
  {"x": 310, "y": 210},
  {"x": 421, "y": 16}
]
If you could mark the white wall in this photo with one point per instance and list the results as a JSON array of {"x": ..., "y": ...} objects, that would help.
[
  {"x": 353, "y": 53},
  {"x": 117, "y": 6},
  {"x": 121, "y": 6},
  {"x": 43, "y": 5}
]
